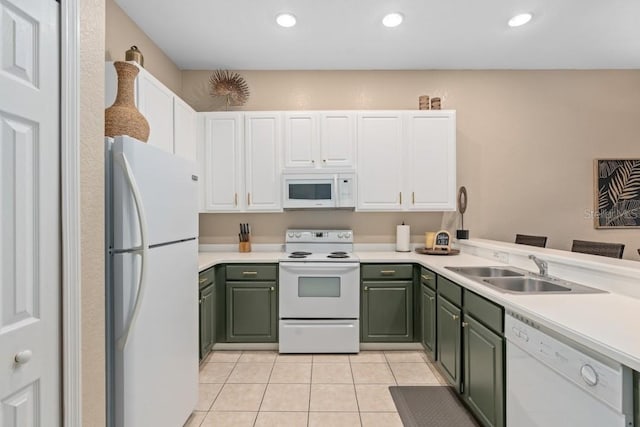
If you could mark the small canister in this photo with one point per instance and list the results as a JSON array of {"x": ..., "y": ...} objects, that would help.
[
  {"x": 134, "y": 55},
  {"x": 423, "y": 102}
]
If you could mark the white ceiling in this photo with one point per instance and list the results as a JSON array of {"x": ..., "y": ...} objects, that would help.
[{"x": 436, "y": 34}]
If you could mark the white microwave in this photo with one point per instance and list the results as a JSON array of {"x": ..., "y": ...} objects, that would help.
[{"x": 319, "y": 190}]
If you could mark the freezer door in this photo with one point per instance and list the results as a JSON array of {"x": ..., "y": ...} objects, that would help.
[
  {"x": 155, "y": 376},
  {"x": 167, "y": 186}
]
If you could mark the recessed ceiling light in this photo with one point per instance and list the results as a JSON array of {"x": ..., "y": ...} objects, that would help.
[
  {"x": 392, "y": 20},
  {"x": 286, "y": 20},
  {"x": 520, "y": 19}
]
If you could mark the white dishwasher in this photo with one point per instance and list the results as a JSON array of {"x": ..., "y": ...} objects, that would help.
[{"x": 554, "y": 383}]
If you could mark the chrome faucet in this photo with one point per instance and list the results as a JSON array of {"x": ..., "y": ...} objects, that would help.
[{"x": 542, "y": 265}]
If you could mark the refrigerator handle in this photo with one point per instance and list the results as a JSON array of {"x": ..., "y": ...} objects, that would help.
[{"x": 142, "y": 250}]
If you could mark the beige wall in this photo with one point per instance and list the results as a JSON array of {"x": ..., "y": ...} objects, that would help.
[
  {"x": 122, "y": 33},
  {"x": 92, "y": 18},
  {"x": 526, "y": 143}
]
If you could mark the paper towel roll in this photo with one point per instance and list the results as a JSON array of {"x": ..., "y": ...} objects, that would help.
[{"x": 403, "y": 237}]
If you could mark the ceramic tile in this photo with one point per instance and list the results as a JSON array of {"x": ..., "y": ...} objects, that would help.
[
  {"x": 405, "y": 356},
  {"x": 334, "y": 419},
  {"x": 258, "y": 356},
  {"x": 372, "y": 373},
  {"x": 374, "y": 398},
  {"x": 229, "y": 419},
  {"x": 281, "y": 419},
  {"x": 250, "y": 373},
  {"x": 223, "y": 356},
  {"x": 368, "y": 357},
  {"x": 239, "y": 397},
  {"x": 291, "y": 373},
  {"x": 215, "y": 372},
  {"x": 206, "y": 395},
  {"x": 330, "y": 358},
  {"x": 333, "y": 398},
  {"x": 380, "y": 419},
  {"x": 195, "y": 419},
  {"x": 413, "y": 373},
  {"x": 331, "y": 373},
  {"x": 286, "y": 397},
  {"x": 294, "y": 358}
]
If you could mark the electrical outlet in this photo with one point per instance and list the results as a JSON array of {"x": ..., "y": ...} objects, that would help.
[{"x": 501, "y": 256}]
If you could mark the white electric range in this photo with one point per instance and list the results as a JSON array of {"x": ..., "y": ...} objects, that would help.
[{"x": 319, "y": 293}]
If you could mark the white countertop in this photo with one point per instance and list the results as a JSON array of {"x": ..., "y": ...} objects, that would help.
[{"x": 606, "y": 323}]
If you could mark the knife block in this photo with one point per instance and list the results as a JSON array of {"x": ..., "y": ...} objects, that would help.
[{"x": 244, "y": 246}]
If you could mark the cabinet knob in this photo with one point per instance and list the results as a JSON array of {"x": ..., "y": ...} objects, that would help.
[
  {"x": 313, "y": 161},
  {"x": 23, "y": 357},
  {"x": 273, "y": 288},
  {"x": 454, "y": 317},
  {"x": 200, "y": 301},
  {"x": 366, "y": 288},
  {"x": 324, "y": 160},
  {"x": 465, "y": 324},
  {"x": 431, "y": 298}
]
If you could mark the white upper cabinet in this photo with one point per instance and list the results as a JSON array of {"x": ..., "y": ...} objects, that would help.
[
  {"x": 431, "y": 160},
  {"x": 223, "y": 141},
  {"x": 380, "y": 161},
  {"x": 316, "y": 140},
  {"x": 184, "y": 130},
  {"x": 262, "y": 161},
  {"x": 172, "y": 123}
]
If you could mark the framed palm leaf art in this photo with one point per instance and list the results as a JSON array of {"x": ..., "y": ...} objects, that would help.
[{"x": 617, "y": 197}]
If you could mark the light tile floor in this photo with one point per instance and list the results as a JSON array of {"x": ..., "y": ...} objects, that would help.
[{"x": 263, "y": 388}]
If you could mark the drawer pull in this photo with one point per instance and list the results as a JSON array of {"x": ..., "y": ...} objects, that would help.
[
  {"x": 431, "y": 298},
  {"x": 203, "y": 280},
  {"x": 387, "y": 272},
  {"x": 465, "y": 324},
  {"x": 454, "y": 317},
  {"x": 249, "y": 273},
  {"x": 427, "y": 278}
]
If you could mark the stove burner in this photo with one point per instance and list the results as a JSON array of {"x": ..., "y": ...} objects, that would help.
[
  {"x": 297, "y": 256},
  {"x": 300, "y": 253},
  {"x": 338, "y": 255}
]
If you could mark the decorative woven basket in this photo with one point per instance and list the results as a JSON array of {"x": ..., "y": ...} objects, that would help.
[{"x": 123, "y": 118}]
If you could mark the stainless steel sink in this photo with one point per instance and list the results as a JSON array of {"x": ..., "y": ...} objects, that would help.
[
  {"x": 516, "y": 281},
  {"x": 487, "y": 271},
  {"x": 526, "y": 284}
]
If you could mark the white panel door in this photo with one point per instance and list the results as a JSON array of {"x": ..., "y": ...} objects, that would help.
[
  {"x": 155, "y": 102},
  {"x": 184, "y": 129},
  {"x": 262, "y": 174},
  {"x": 222, "y": 162},
  {"x": 337, "y": 139},
  {"x": 431, "y": 158},
  {"x": 300, "y": 140},
  {"x": 29, "y": 224},
  {"x": 380, "y": 161}
]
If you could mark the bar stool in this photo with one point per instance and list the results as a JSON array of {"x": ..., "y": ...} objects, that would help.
[
  {"x": 524, "y": 239},
  {"x": 612, "y": 250}
]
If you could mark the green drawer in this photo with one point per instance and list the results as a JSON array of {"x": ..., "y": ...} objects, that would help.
[
  {"x": 490, "y": 314},
  {"x": 387, "y": 271},
  {"x": 450, "y": 291},
  {"x": 428, "y": 277},
  {"x": 206, "y": 278},
  {"x": 252, "y": 272}
]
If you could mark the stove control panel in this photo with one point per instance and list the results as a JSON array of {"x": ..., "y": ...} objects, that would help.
[{"x": 319, "y": 236}]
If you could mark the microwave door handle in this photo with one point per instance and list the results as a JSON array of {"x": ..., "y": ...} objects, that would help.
[{"x": 336, "y": 193}]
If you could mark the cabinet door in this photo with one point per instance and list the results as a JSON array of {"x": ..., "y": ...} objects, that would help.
[
  {"x": 300, "y": 140},
  {"x": 431, "y": 171},
  {"x": 251, "y": 312},
  {"x": 155, "y": 102},
  {"x": 428, "y": 313},
  {"x": 448, "y": 337},
  {"x": 380, "y": 161},
  {"x": 484, "y": 372},
  {"x": 184, "y": 129},
  {"x": 337, "y": 139},
  {"x": 387, "y": 310},
  {"x": 262, "y": 162},
  {"x": 207, "y": 320},
  {"x": 222, "y": 161}
]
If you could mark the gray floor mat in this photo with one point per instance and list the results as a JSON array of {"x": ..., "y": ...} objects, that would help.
[{"x": 433, "y": 406}]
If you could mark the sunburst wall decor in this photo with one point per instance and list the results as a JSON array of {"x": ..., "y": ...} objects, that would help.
[
  {"x": 617, "y": 197},
  {"x": 231, "y": 85}
]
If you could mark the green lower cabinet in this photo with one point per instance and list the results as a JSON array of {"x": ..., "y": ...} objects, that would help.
[
  {"x": 252, "y": 311},
  {"x": 483, "y": 385},
  {"x": 428, "y": 313},
  {"x": 207, "y": 319},
  {"x": 636, "y": 400},
  {"x": 449, "y": 342},
  {"x": 387, "y": 311}
]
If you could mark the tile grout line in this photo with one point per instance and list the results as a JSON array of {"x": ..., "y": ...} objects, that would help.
[
  {"x": 353, "y": 378},
  {"x": 264, "y": 393}
]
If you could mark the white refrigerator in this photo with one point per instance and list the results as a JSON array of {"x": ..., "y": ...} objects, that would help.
[{"x": 151, "y": 287}]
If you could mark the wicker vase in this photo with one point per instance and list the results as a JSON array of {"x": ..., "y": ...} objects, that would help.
[{"x": 123, "y": 118}]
